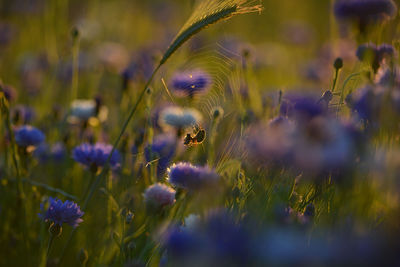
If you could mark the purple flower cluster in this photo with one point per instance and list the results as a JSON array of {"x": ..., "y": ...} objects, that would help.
[
  {"x": 365, "y": 11},
  {"x": 190, "y": 83},
  {"x": 375, "y": 55},
  {"x": 59, "y": 212},
  {"x": 185, "y": 175},
  {"x": 216, "y": 241},
  {"x": 94, "y": 156},
  {"x": 309, "y": 139},
  {"x": 368, "y": 102},
  {"x": 28, "y": 136},
  {"x": 301, "y": 105}
]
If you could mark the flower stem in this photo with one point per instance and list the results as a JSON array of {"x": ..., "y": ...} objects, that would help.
[{"x": 51, "y": 239}]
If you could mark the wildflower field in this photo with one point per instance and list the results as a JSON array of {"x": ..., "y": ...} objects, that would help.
[{"x": 199, "y": 133}]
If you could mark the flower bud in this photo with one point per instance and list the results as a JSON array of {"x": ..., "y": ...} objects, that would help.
[{"x": 338, "y": 64}]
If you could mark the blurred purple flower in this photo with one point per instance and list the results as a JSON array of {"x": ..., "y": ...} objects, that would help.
[
  {"x": 28, "y": 136},
  {"x": 159, "y": 196},
  {"x": 94, "y": 156},
  {"x": 190, "y": 83},
  {"x": 193, "y": 178},
  {"x": 365, "y": 11}
]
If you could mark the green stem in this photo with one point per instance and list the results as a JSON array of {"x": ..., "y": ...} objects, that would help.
[
  {"x": 75, "y": 68},
  {"x": 45, "y": 186},
  {"x": 109, "y": 203},
  {"x": 49, "y": 246},
  {"x": 92, "y": 177},
  {"x": 335, "y": 80}
]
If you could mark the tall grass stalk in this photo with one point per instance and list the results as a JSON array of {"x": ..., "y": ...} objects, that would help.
[{"x": 75, "y": 62}]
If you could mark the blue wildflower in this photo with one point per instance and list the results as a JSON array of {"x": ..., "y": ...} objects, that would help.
[
  {"x": 28, "y": 136},
  {"x": 94, "y": 156},
  {"x": 301, "y": 106},
  {"x": 366, "y": 102},
  {"x": 365, "y": 11},
  {"x": 185, "y": 175},
  {"x": 162, "y": 149},
  {"x": 386, "y": 51},
  {"x": 159, "y": 196},
  {"x": 59, "y": 212},
  {"x": 179, "y": 118},
  {"x": 215, "y": 241},
  {"x": 190, "y": 83}
]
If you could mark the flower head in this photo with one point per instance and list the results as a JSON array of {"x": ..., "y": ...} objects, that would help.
[
  {"x": 159, "y": 195},
  {"x": 375, "y": 55},
  {"x": 190, "y": 83},
  {"x": 216, "y": 240},
  {"x": 301, "y": 106},
  {"x": 185, "y": 175},
  {"x": 28, "y": 136},
  {"x": 179, "y": 118},
  {"x": 59, "y": 212},
  {"x": 96, "y": 155},
  {"x": 365, "y": 11},
  {"x": 83, "y": 109}
]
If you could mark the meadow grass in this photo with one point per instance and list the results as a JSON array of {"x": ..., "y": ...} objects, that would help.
[{"x": 269, "y": 139}]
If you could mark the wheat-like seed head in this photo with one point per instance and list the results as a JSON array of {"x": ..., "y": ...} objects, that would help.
[{"x": 206, "y": 13}]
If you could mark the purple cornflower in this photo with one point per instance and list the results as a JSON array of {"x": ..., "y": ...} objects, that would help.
[
  {"x": 28, "y": 136},
  {"x": 185, "y": 175},
  {"x": 217, "y": 240},
  {"x": 159, "y": 196},
  {"x": 94, "y": 156},
  {"x": 366, "y": 102},
  {"x": 190, "y": 83},
  {"x": 375, "y": 55},
  {"x": 162, "y": 149},
  {"x": 365, "y": 11},
  {"x": 59, "y": 212},
  {"x": 301, "y": 106}
]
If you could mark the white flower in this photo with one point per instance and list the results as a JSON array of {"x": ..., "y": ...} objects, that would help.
[{"x": 179, "y": 118}]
